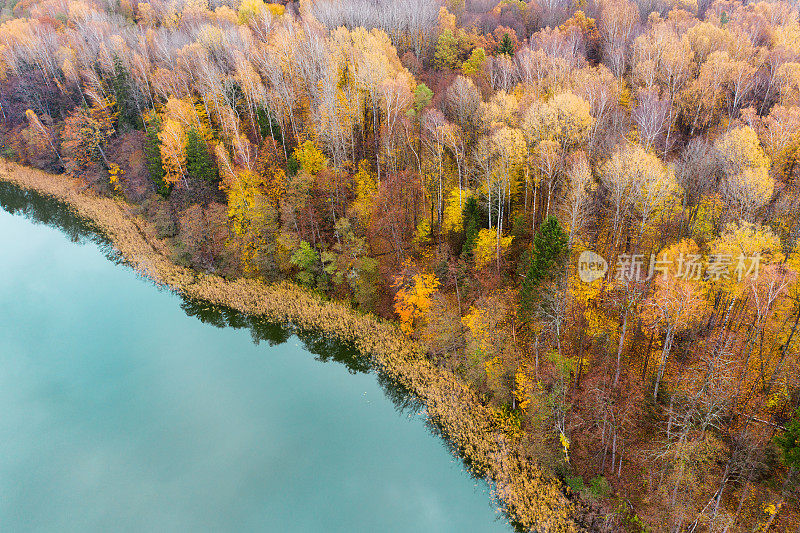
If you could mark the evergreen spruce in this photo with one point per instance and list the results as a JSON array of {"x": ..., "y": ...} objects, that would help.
[
  {"x": 790, "y": 442},
  {"x": 292, "y": 166},
  {"x": 548, "y": 251},
  {"x": 472, "y": 225},
  {"x": 120, "y": 84},
  {"x": 199, "y": 164},
  {"x": 506, "y": 46},
  {"x": 152, "y": 154}
]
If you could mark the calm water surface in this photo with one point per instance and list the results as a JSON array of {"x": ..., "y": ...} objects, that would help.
[{"x": 125, "y": 408}]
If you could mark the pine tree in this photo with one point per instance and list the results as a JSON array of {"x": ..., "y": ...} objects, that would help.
[
  {"x": 268, "y": 126},
  {"x": 548, "y": 251},
  {"x": 152, "y": 154},
  {"x": 790, "y": 442},
  {"x": 506, "y": 46},
  {"x": 472, "y": 224},
  {"x": 120, "y": 84},
  {"x": 199, "y": 164}
]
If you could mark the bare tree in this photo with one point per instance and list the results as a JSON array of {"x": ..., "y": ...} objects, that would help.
[
  {"x": 411, "y": 24},
  {"x": 650, "y": 115},
  {"x": 503, "y": 72},
  {"x": 578, "y": 197},
  {"x": 618, "y": 22}
]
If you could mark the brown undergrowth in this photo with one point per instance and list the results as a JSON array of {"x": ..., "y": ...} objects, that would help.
[{"x": 531, "y": 497}]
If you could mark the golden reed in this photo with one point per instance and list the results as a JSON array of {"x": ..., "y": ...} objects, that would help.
[{"x": 532, "y": 498}]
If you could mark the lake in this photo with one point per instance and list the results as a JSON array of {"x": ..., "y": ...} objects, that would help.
[{"x": 128, "y": 408}]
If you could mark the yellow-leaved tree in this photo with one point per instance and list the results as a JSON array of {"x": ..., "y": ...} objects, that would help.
[
  {"x": 523, "y": 389},
  {"x": 678, "y": 301},
  {"x": 747, "y": 185},
  {"x": 249, "y": 9},
  {"x": 254, "y": 220},
  {"x": 179, "y": 116},
  {"x": 565, "y": 119},
  {"x": 640, "y": 185},
  {"x": 365, "y": 189},
  {"x": 738, "y": 254},
  {"x": 453, "y": 210},
  {"x": 413, "y": 297},
  {"x": 500, "y": 109},
  {"x": 172, "y": 138},
  {"x": 311, "y": 158},
  {"x": 490, "y": 247}
]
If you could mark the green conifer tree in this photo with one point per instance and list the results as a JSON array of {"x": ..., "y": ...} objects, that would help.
[
  {"x": 472, "y": 225},
  {"x": 152, "y": 155},
  {"x": 199, "y": 164},
  {"x": 547, "y": 253},
  {"x": 506, "y": 46},
  {"x": 121, "y": 86},
  {"x": 790, "y": 442}
]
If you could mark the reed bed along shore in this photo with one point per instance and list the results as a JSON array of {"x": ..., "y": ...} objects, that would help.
[{"x": 532, "y": 498}]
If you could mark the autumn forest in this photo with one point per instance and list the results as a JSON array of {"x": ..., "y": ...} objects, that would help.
[{"x": 587, "y": 210}]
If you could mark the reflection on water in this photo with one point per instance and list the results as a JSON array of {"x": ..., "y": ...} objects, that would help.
[
  {"x": 46, "y": 210},
  {"x": 120, "y": 414},
  {"x": 49, "y": 211},
  {"x": 324, "y": 348}
]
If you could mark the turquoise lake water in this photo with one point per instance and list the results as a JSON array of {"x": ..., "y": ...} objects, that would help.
[{"x": 127, "y": 408}]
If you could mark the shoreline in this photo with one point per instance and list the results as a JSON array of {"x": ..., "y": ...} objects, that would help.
[{"x": 530, "y": 497}]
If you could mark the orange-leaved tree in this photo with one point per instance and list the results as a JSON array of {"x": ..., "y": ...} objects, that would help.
[
  {"x": 413, "y": 297},
  {"x": 85, "y": 134},
  {"x": 678, "y": 301}
]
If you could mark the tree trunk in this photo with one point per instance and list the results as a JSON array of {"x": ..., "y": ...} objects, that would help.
[
  {"x": 785, "y": 351},
  {"x": 662, "y": 364},
  {"x": 621, "y": 344}
]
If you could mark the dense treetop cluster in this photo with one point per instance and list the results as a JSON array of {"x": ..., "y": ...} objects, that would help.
[{"x": 448, "y": 165}]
